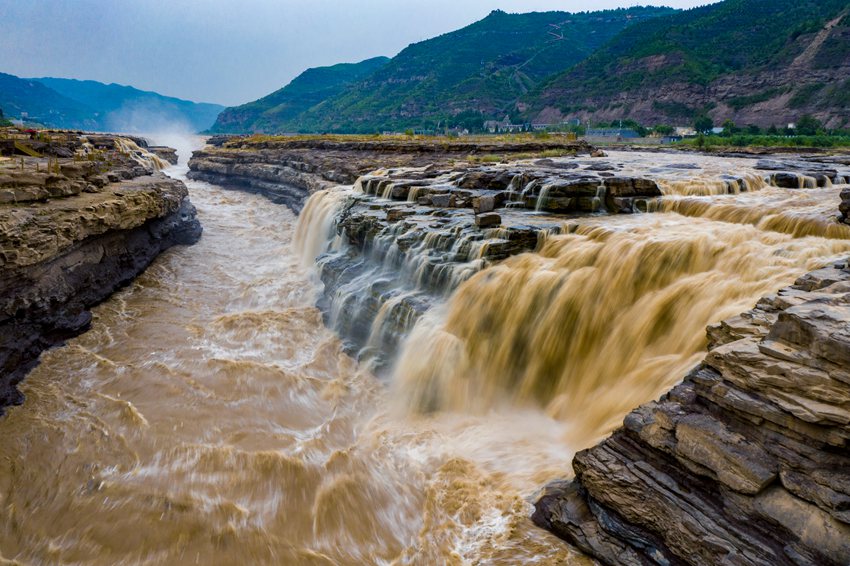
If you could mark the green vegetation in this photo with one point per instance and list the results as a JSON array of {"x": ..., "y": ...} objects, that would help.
[
  {"x": 804, "y": 94},
  {"x": 277, "y": 111},
  {"x": 3, "y": 120},
  {"x": 746, "y": 140},
  {"x": 462, "y": 78},
  {"x": 698, "y": 46},
  {"x": 89, "y": 105},
  {"x": 42, "y": 104},
  {"x": 740, "y": 102},
  {"x": 703, "y": 124}
]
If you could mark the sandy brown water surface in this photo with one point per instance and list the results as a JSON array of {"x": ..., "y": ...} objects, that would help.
[{"x": 210, "y": 418}]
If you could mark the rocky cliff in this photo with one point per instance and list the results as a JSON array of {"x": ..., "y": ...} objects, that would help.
[
  {"x": 744, "y": 462},
  {"x": 71, "y": 233},
  {"x": 762, "y": 62}
]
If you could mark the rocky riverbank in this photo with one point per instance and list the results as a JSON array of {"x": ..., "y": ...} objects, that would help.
[
  {"x": 288, "y": 170},
  {"x": 744, "y": 462},
  {"x": 415, "y": 234},
  {"x": 72, "y": 231}
]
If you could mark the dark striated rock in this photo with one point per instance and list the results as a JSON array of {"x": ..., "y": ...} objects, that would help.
[
  {"x": 488, "y": 220},
  {"x": 168, "y": 154},
  {"x": 844, "y": 207},
  {"x": 745, "y": 462}
]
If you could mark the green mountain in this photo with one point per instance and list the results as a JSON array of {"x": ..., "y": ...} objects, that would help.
[
  {"x": 753, "y": 61},
  {"x": 467, "y": 75},
  {"x": 42, "y": 104},
  {"x": 121, "y": 108},
  {"x": 310, "y": 88}
]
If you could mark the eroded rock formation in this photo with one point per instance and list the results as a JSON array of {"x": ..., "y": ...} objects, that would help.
[
  {"x": 287, "y": 171},
  {"x": 745, "y": 462},
  {"x": 71, "y": 233}
]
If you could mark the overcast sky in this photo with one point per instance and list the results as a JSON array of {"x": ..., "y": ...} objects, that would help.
[{"x": 230, "y": 51}]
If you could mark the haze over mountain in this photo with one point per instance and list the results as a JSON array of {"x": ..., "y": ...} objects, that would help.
[
  {"x": 312, "y": 87},
  {"x": 90, "y": 105}
]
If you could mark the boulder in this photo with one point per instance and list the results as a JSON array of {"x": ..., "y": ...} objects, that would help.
[
  {"x": 488, "y": 220},
  {"x": 485, "y": 203}
]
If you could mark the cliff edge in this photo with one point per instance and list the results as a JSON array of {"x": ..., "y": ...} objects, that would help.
[{"x": 72, "y": 231}]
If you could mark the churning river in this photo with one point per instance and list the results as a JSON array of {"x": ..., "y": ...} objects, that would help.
[{"x": 209, "y": 417}]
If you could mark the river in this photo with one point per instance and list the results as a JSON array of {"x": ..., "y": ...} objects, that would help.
[{"x": 209, "y": 417}]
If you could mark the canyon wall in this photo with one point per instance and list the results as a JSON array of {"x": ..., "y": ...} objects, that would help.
[
  {"x": 71, "y": 233},
  {"x": 744, "y": 462}
]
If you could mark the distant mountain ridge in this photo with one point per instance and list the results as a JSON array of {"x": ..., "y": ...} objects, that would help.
[
  {"x": 91, "y": 105},
  {"x": 308, "y": 89},
  {"x": 479, "y": 70},
  {"x": 760, "y": 62},
  {"x": 19, "y": 96}
]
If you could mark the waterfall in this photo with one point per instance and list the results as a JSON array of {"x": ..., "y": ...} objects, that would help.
[
  {"x": 599, "y": 314},
  {"x": 140, "y": 155},
  {"x": 597, "y": 321},
  {"x": 315, "y": 229}
]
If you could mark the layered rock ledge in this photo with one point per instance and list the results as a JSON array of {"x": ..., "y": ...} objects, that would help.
[
  {"x": 288, "y": 170},
  {"x": 414, "y": 234},
  {"x": 71, "y": 233},
  {"x": 745, "y": 462}
]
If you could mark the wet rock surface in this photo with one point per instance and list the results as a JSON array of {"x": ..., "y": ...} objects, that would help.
[
  {"x": 288, "y": 170},
  {"x": 413, "y": 235},
  {"x": 744, "y": 462},
  {"x": 68, "y": 239},
  {"x": 801, "y": 173}
]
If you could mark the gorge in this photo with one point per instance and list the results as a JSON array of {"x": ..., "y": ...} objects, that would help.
[{"x": 384, "y": 356}]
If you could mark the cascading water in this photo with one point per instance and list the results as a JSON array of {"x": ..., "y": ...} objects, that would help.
[
  {"x": 600, "y": 320},
  {"x": 610, "y": 312},
  {"x": 139, "y": 154}
]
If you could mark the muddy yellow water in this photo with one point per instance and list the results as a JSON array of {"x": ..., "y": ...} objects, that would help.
[{"x": 209, "y": 417}]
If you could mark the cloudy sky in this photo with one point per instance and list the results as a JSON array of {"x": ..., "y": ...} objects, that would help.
[{"x": 230, "y": 51}]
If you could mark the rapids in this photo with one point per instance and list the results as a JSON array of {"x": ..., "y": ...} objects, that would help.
[
  {"x": 611, "y": 312},
  {"x": 209, "y": 417}
]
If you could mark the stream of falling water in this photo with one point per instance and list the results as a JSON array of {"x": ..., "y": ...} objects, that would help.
[
  {"x": 611, "y": 313},
  {"x": 209, "y": 417}
]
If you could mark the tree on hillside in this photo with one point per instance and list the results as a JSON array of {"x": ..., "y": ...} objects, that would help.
[
  {"x": 729, "y": 128},
  {"x": 703, "y": 124},
  {"x": 808, "y": 125}
]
